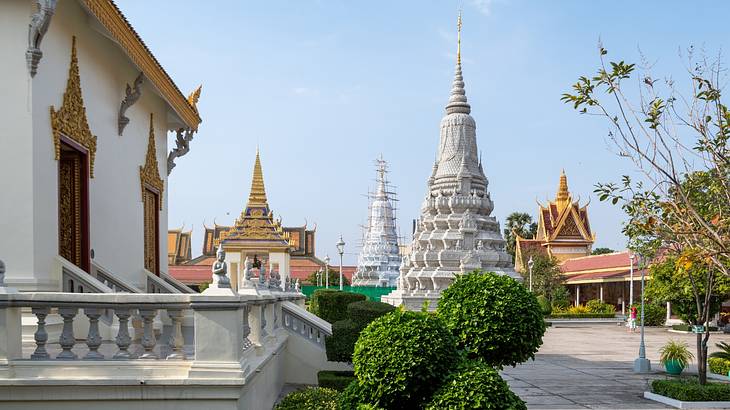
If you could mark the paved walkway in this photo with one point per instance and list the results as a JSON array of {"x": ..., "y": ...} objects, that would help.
[{"x": 591, "y": 367}]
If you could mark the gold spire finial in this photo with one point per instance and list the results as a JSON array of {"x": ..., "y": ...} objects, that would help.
[
  {"x": 563, "y": 196},
  {"x": 458, "y": 39},
  {"x": 258, "y": 191}
]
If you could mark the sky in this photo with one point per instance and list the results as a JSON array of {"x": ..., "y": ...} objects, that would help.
[{"x": 324, "y": 87}]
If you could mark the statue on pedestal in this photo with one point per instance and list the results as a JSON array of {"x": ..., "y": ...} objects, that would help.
[
  {"x": 247, "y": 273},
  {"x": 220, "y": 270},
  {"x": 296, "y": 287}
]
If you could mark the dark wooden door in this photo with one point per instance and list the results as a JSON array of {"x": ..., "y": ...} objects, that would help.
[
  {"x": 151, "y": 231},
  {"x": 73, "y": 206}
]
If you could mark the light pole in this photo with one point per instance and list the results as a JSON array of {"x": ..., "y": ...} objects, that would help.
[
  {"x": 319, "y": 277},
  {"x": 632, "y": 256},
  {"x": 642, "y": 364},
  {"x": 530, "y": 264},
  {"x": 327, "y": 271},
  {"x": 341, "y": 250}
]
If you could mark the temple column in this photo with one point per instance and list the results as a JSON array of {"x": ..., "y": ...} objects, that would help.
[
  {"x": 669, "y": 310},
  {"x": 577, "y": 295},
  {"x": 600, "y": 292}
]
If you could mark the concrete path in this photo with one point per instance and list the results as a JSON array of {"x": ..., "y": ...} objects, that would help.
[{"x": 591, "y": 367}]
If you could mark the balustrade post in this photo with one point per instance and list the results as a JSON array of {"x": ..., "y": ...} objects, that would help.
[
  {"x": 67, "y": 339},
  {"x": 123, "y": 339},
  {"x": 176, "y": 336},
  {"x": 218, "y": 337},
  {"x": 93, "y": 340},
  {"x": 148, "y": 337},
  {"x": 278, "y": 315},
  {"x": 254, "y": 319},
  {"x": 264, "y": 321},
  {"x": 246, "y": 328},
  {"x": 41, "y": 336}
]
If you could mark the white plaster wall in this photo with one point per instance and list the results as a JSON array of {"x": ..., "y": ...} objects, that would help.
[
  {"x": 16, "y": 145},
  {"x": 116, "y": 224}
]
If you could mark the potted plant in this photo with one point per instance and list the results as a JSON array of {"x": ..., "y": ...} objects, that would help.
[{"x": 675, "y": 356}]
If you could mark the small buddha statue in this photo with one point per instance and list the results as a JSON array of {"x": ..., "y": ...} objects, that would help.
[{"x": 220, "y": 270}]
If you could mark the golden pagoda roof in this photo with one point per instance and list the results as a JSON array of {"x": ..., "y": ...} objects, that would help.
[
  {"x": 563, "y": 217},
  {"x": 257, "y": 222}
]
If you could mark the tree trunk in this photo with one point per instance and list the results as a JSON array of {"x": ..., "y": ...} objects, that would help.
[{"x": 702, "y": 358}]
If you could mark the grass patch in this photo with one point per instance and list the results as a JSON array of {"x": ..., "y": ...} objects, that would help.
[{"x": 691, "y": 390}]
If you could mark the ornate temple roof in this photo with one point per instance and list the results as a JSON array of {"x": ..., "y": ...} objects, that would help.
[
  {"x": 563, "y": 218},
  {"x": 256, "y": 222}
]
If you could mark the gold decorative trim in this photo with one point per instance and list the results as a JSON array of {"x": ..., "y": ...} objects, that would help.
[
  {"x": 107, "y": 13},
  {"x": 70, "y": 119},
  {"x": 149, "y": 174}
]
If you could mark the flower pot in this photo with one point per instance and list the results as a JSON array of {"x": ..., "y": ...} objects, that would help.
[{"x": 673, "y": 367}]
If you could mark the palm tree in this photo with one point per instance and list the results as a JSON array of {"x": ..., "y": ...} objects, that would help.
[{"x": 519, "y": 223}]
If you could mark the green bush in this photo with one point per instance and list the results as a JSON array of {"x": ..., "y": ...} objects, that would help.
[
  {"x": 719, "y": 366},
  {"x": 401, "y": 358},
  {"x": 331, "y": 305},
  {"x": 365, "y": 311},
  {"x": 345, "y": 332},
  {"x": 336, "y": 380},
  {"x": 475, "y": 385},
  {"x": 655, "y": 314},
  {"x": 311, "y": 398},
  {"x": 596, "y": 306},
  {"x": 683, "y": 327},
  {"x": 691, "y": 390},
  {"x": 493, "y": 317},
  {"x": 545, "y": 305},
  {"x": 561, "y": 298},
  {"x": 351, "y": 397},
  {"x": 341, "y": 344}
]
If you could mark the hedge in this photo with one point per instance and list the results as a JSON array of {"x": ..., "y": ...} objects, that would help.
[
  {"x": 719, "y": 366},
  {"x": 475, "y": 385},
  {"x": 331, "y": 305},
  {"x": 365, "y": 311},
  {"x": 351, "y": 397},
  {"x": 311, "y": 398},
  {"x": 341, "y": 344},
  {"x": 336, "y": 380},
  {"x": 691, "y": 390},
  {"x": 402, "y": 358},
  {"x": 582, "y": 316},
  {"x": 493, "y": 317},
  {"x": 683, "y": 327}
]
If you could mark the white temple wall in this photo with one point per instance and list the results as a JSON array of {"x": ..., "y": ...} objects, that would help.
[
  {"x": 16, "y": 147},
  {"x": 115, "y": 202}
]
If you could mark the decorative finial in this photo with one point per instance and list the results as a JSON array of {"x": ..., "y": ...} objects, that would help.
[
  {"x": 563, "y": 196},
  {"x": 258, "y": 191},
  {"x": 458, "y": 39}
]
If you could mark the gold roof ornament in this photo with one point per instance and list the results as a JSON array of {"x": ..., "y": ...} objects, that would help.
[
  {"x": 194, "y": 97},
  {"x": 70, "y": 120},
  {"x": 562, "y": 199},
  {"x": 149, "y": 174},
  {"x": 257, "y": 196}
]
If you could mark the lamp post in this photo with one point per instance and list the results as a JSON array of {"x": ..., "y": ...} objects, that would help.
[
  {"x": 319, "y": 277},
  {"x": 341, "y": 250},
  {"x": 327, "y": 271},
  {"x": 632, "y": 256},
  {"x": 642, "y": 364},
  {"x": 530, "y": 264}
]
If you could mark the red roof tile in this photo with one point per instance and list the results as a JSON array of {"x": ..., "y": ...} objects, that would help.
[{"x": 595, "y": 262}]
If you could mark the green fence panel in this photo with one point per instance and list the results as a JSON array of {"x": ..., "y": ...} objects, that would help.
[{"x": 372, "y": 293}]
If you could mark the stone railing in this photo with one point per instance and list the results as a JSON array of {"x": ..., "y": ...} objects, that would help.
[
  {"x": 156, "y": 284},
  {"x": 181, "y": 287},
  {"x": 305, "y": 324},
  {"x": 75, "y": 280},
  {"x": 111, "y": 281}
]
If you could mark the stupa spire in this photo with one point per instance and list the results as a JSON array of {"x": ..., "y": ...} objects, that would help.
[
  {"x": 258, "y": 191},
  {"x": 563, "y": 196},
  {"x": 457, "y": 100}
]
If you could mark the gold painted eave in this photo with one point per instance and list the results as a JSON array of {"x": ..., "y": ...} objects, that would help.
[{"x": 112, "y": 19}]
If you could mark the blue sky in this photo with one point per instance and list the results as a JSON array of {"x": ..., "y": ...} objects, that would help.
[{"x": 324, "y": 87}]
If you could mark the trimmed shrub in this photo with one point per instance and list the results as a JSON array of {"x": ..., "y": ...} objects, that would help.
[
  {"x": 351, "y": 397},
  {"x": 561, "y": 298},
  {"x": 683, "y": 327},
  {"x": 331, "y": 305},
  {"x": 566, "y": 315},
  {"x": 494, "y": 318},
  {"x": 655, "y": 314},
  {"x": 718, "y": 365},
  {"x": 365, "y": 311},
  {"x": 342, "y": 342},
  {"x": 545, "y": 305},
  {"x": 475, "y": 385},
  {"x": 596, "y": 306},
  {"x": 691, "y": 390},
  {"x": 401, "y": 359},
  {"x": 311, "y": 398},
  {"x": 336, "y": 380}
]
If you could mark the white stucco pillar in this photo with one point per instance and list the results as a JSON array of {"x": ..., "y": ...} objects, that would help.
[
  {"x": 601, "y": 292},
  {"x": 669, "y": 310},
  {"x": 577, "y": 295},
  {"x": 218, "y": 337},
  {"x": 10, "y": 339}
]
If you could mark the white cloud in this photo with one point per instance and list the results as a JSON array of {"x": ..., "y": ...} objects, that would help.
[
  {"x": 305, "y": 91},
  {"x": 483, "y": 6}
]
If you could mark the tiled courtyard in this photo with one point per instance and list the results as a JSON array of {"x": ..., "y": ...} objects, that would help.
[{"x": 591, "y": 367}]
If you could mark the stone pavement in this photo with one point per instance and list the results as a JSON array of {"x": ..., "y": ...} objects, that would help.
[{"x": 590, "y": 366}]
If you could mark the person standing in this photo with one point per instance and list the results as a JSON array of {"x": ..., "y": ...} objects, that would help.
[{"x": 632, "y": 319}]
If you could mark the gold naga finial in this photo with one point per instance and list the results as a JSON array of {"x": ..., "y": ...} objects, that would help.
[
  {"x": 458, "y": 39},
  {"x": 194, "y": 97},
  {"x": 563, "y": 196}
]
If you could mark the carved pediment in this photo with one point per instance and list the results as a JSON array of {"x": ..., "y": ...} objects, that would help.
[
  {"x": 70, "y": 119},
  {"x": 149, "y": 174}
]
